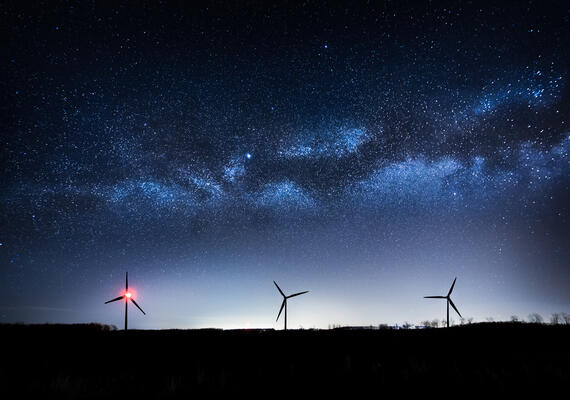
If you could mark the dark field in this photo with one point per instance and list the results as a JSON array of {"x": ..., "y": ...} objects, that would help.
[{"x": 78, "y": 361}]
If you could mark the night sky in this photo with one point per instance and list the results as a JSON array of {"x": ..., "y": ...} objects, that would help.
[{"x": 368, "y": 154}]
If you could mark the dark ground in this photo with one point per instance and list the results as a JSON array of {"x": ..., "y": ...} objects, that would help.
[{"x": 77, "y": 361}]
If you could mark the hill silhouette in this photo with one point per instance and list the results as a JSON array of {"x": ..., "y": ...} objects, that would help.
[{"x": 95, "y": 361}]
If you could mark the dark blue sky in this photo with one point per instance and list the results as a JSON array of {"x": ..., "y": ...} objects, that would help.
[{"x": 367, "y": 153}]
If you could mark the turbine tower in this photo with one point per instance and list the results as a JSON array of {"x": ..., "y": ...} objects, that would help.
[
  {"x": 449, "y": 301},
  {"x": 127, "y": 296},
  {"x": 284, "y": 304}
]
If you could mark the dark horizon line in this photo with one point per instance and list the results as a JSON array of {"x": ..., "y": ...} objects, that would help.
[{"x": 404, "y": 326}]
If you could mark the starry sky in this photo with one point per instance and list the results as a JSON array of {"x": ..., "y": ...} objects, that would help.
[{"x": 369, "y": 154}]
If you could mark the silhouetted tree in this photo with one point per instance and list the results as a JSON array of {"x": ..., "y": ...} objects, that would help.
[
  {"x": 555, "y": 318},
  {"x": 566, "y": 318},
  {"x": 535, "y": 318},
  {"x": 514, "y": 318},
  {"x": 426, "y": 323}
]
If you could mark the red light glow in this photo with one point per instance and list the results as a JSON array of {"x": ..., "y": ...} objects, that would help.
[{"x": 129, "y": 294}]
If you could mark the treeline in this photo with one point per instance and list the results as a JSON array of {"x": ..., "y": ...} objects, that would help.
[
  {"x": 560, "y": 318},
  {"x": 91, "y": 327}
]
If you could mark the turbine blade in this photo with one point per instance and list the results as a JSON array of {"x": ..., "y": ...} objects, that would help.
[
  {"x": 297, "y": 294},
  {"x": 451, "y": 289},
  {"x": 278, "y": 288},
  {"x": 455, "y": 308},
  {"x": 118, "y": 298},
  {"x": 281, "y": 309},
  {"x": 435, "y": 297},
  {"x": 135, "y": 303},
  {"x": 127, "y": 281}
]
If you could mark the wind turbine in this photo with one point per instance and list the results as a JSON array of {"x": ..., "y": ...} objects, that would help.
[
  {"x": 127, "y": 296},
  {"x": 449, "y": 301},
  {"x": 284, "y": 304}
]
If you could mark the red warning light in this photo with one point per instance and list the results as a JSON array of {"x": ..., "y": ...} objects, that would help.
[{"x": 131, "y": 293}]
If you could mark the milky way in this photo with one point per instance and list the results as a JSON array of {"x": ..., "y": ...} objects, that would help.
[{"x": 354, "y": 149}]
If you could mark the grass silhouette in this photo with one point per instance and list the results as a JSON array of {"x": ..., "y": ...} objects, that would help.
[{"x": 93, "y": 360}]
